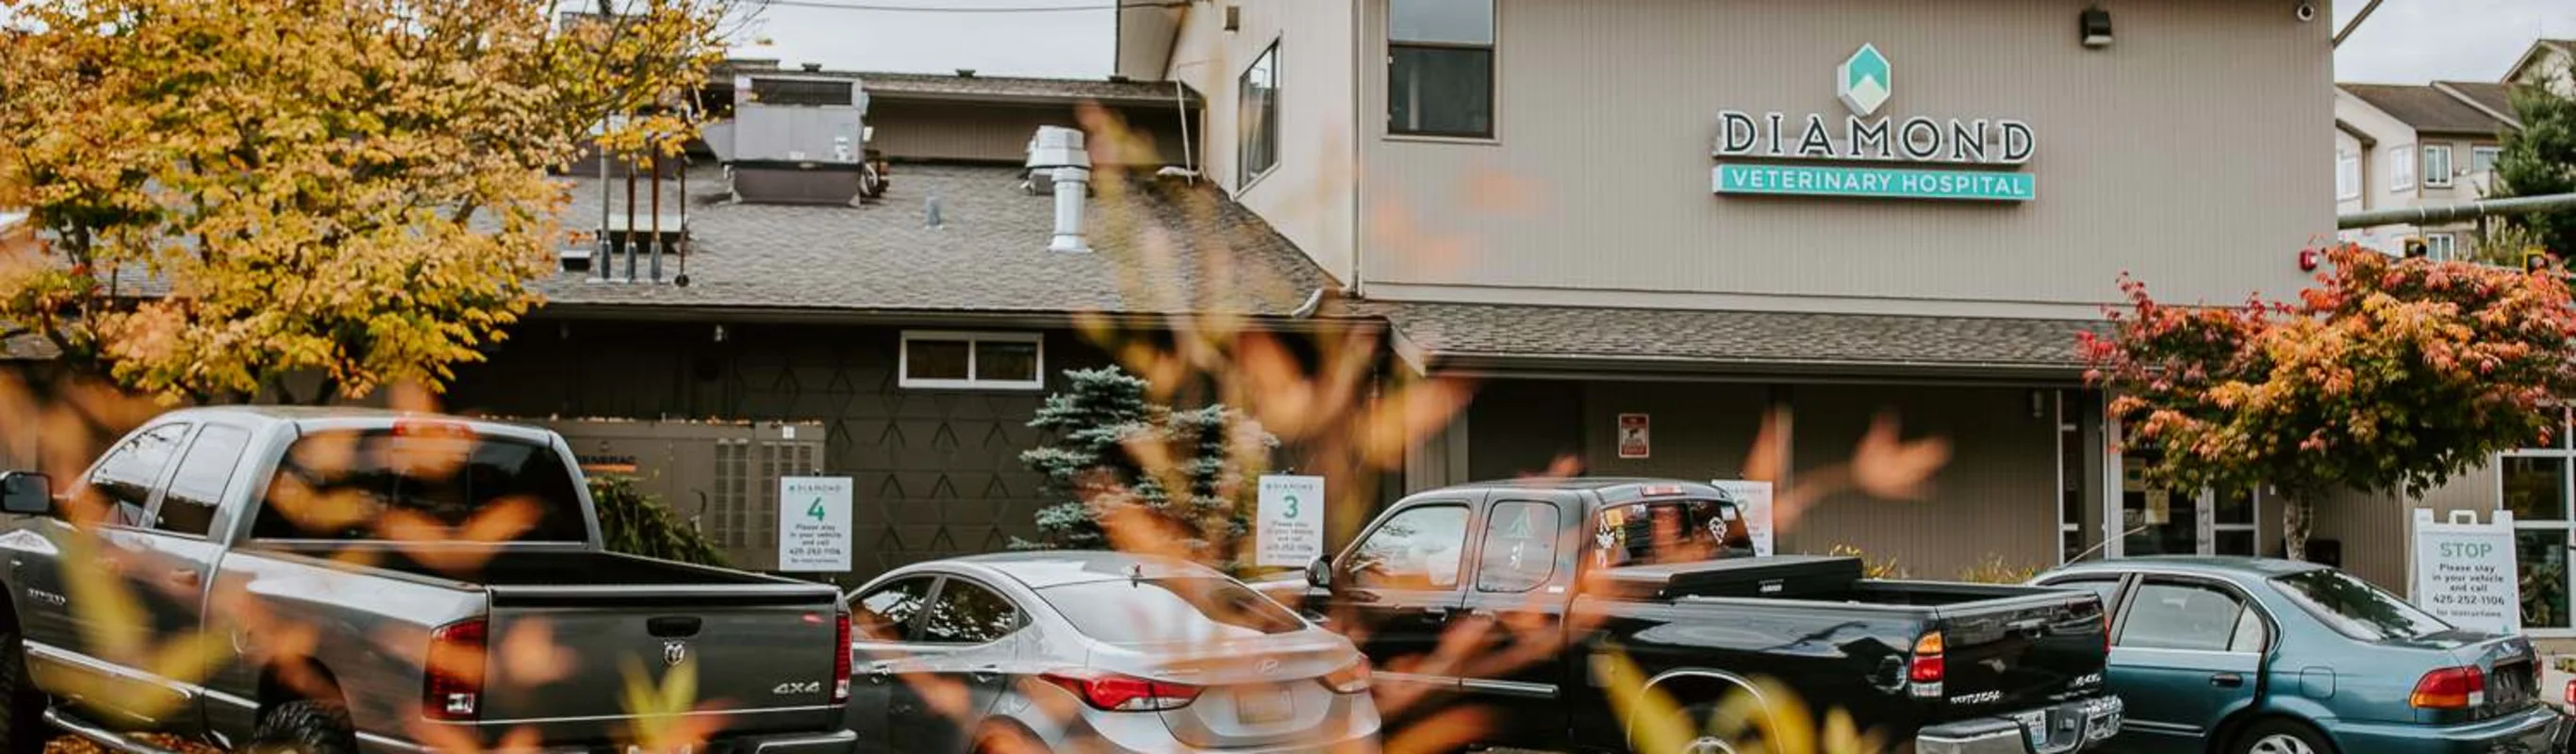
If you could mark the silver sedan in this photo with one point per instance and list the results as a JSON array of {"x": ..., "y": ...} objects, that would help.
[{"x": 1095, "y": 651}]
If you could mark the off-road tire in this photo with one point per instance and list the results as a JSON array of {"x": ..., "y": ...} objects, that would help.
[
  {"x": 305, "y": 727},
  {"x": 22, "y": 707},
  {"x": 1695, "y": 719}
]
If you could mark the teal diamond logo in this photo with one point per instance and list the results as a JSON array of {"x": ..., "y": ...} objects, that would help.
[{"x": 1862, "y": 81}]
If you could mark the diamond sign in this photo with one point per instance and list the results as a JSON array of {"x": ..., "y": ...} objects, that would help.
[{"x": 1862, "y": 81}]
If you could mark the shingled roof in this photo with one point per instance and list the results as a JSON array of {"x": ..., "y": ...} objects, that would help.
[
  {"x": 2491, "y": 97},
  {"x": 1439, "y": 337},
  {"x": 1160, "y": 246},
  {"x": 2427, "y": 109}
]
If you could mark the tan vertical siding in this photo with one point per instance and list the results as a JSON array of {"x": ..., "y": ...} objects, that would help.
[
  {"x": 2186, "y": 153},
  {"x": 1310, "y": 197},
  {"x": 1994, "y": 498},
  {"x": 2375, "y": 529}
]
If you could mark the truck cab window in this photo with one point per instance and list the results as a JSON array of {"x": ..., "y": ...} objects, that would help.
[
  {"x": 433, "y": 482},
  {"x": 1417, "y": 549},
  {"x": 1520, "y": 547},
  {"x": 125, "y": 477},
  {"x": 1668, "y": 531},
  {"x": 204, "y": 473}
]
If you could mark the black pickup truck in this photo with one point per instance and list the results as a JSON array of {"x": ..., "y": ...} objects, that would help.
[{"x": 1576, "y": 574}]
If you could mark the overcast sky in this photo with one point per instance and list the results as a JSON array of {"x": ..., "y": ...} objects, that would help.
[{"x": 2405, "y": 41}]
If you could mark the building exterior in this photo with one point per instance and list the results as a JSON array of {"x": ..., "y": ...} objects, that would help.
[
  {"x": 903, "y": 341},
  {"x": 1702, "y": 217},
  {"x": 2400, "y": 145},
  {"x": 2546, "y": 63}
]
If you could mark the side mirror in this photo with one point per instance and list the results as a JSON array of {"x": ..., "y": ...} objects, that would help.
[
  {"x": 26, "y": 492},
  {"x": 1319, "y": 574}
]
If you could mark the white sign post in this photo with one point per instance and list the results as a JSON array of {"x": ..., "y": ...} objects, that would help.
[
  {"x": 1290, "y": 529},
  {"x": 814, "y": 532},
  {"x": 1753, "y": 500},
  {"x": 2465, "y": 571}
]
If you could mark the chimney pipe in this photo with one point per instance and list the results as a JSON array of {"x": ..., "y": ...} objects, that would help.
[{"x": 1059, "y": 150}]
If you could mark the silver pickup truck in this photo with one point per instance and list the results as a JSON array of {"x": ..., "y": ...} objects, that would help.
[{"x": 336, "y": 581}]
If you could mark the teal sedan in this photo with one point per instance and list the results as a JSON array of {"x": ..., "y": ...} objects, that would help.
[{"x": 2261, "y": 656}]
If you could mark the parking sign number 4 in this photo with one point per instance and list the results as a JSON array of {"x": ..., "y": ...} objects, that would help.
[{"x": 815, "y": 510}]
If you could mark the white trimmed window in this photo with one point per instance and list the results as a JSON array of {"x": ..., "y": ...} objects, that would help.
[
  {"x": 2440, "y": 246},
  {"x": 1257, "y": 117},
  {"x": 2437, "y": 165},
  {"x": 1440, "y": 68},
  {"x": 2347, "y": 175},
  {"x": 972, "y": 360},
  {"x": 2483, "y": 159},
  {"x": 2401, "y": 168}
]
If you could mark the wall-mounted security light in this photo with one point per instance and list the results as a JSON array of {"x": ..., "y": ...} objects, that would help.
[
  {"x": 2094, "y": 27},
  {"x": 1233, "y": 18}
]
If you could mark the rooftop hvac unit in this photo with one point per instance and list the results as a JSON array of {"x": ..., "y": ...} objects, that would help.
[{"x": 797, "y": 140}]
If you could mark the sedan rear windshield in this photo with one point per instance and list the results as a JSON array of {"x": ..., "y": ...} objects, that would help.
[
  {"x": 1167, "y": 610},
  {"x": 420, "y": 484},
  {"x": 2356, "y": 608}
]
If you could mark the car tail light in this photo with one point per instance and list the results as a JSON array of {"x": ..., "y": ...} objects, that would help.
[
  {"x": 452, "y": 686},
  {"x": 1123, "y": 693},
  {"x": 2450, "y": 688},
  {"x": 1349, "y": 680},
  {"x": 1927, "y": 666},
  {"x": 2571, "y": 694},
  {"x": 841, "y": 657}
]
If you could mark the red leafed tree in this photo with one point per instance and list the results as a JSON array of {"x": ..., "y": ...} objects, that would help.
[{"x": 2388, "y": 376}]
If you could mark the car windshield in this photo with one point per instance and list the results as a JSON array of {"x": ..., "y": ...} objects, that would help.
[
  {"x": 421, "y": 483},
  {"x": 1668, "y": 531},
  {"x": 1166, "y": 610},
  {"x": 2356, "y": 608}
]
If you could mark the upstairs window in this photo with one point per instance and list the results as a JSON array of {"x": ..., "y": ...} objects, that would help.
[
  {"x": 1440, "y": 68},
  {"x": 1257, "y": 117},
  {"x": 2437, "y": 165},
  {"x": 973, "y": 360},
  {"x": 2483, "y": 159},
  {"x": 2401, "y": 168},
  {"x": 2347, "y": 176}
]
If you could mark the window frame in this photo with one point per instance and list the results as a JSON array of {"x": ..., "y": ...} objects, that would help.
[
  {"x": 2348, "y": 164},
  {"x": 2493, "y": 155},
  {"x": 1554, "y": 537},
  {"x": 2442, "y": 246},
  {"x": 2430, "y": 179},
  {"x": 1245, "y": 175},
  {"x": 215, "y": 506},
  {"x": 903, "y": 628},
  {"x": 1493, "y": 81},
  {"x": 2133, "y": 593},
  {"x": 974, "y": 380},
  {"x": 1342, "y": 573},
  {"x": 154, "y": 487},
  {"x": 930, "y": 606},
  {"x": 2401, "y": 169}
]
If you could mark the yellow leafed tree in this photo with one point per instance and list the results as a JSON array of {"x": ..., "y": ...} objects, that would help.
[{"x": 230, "y": 192}]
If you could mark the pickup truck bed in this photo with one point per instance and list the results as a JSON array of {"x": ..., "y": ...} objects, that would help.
[{"x": 1602, "y": 587}]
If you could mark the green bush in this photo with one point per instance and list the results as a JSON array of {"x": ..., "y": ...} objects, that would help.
[{"x": 634, "y": 523}]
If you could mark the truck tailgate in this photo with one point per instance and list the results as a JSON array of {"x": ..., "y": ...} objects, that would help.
[
  {"x": 582, "y": 663},
  {"x": 2016, "y": 652}
]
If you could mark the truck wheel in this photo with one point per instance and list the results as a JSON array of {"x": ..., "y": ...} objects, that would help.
[
  {"x": 22, "y": 707},
  {"x": 1700, "y": 719},
  {"x": 2280, "y": 736},
  {"x": 305, "y": 728}
]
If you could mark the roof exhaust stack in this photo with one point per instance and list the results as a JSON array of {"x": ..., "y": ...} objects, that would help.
[{"x": 1058, "y": 152}]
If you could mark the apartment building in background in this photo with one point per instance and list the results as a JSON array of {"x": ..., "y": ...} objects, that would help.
[{"x": 2399, "y": 146}]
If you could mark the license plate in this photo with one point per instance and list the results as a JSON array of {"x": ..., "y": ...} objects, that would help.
[
  {"x": 2034, "y": 726},
  {"x": 1269, "y": 705}
]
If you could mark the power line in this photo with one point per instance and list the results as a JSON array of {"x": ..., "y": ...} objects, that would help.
[{"x": 973, "y": 9}]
